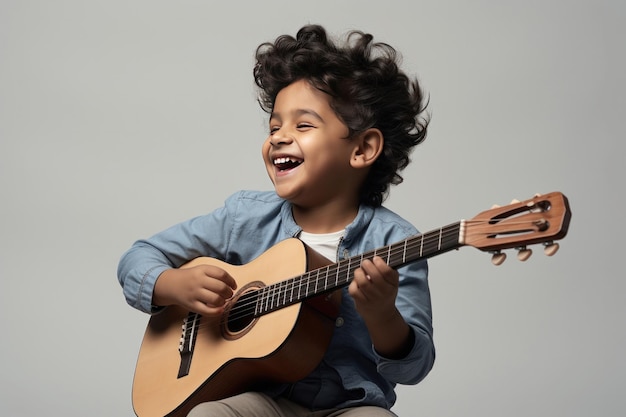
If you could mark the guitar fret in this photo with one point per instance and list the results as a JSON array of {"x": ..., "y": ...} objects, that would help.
[
  {"x": 277, "y": 295},
  {"x": 284, "y": 289},
  {"x": 307, "y": 285},
  {"x": 276, "y": 298},
  {"x": 259, "y": 306},
  {"x": 439, "y": 245},
  {"x": 282, "y": 292},
  {"x": 292, "y": 282},
  {"x": 326, "y": 277},
  {"x": 310, "y": 283},
  {"x": 262, "y": 300},
  {"x": 268, "y": 298},
  {"x": 317, "y": 278},
  {"x": 282, "y": 300},
  {"x": 394, "y": 257},
  {"x": 298, "y": 295},
  {"x": 300, "y": 282},
  {"x": 291, "y": 287},
  {"x": 256, "y": 303},
  {"x": 404, "y": 251}
]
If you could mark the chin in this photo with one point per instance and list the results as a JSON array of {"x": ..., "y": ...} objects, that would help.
[{"x": 288, "y": 195}]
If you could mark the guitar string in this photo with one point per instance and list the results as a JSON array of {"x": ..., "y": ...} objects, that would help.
[
  {"x": 338, "y": 274},
  {"x": 425, "y": 243},
  {"x": 279, "y": 289},
  {"x": 430, "y": 242},
  {"x": 339, "y": 269}
]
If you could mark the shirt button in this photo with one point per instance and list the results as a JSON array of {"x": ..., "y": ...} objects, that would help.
[{"x": 339, "y": 322}]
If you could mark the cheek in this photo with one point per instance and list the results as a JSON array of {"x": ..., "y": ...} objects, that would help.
[
  {"x": 265, "y": 154},
  {"x": 265, "y": 149}
]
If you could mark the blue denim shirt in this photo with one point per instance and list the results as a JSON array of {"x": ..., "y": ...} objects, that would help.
[{"x": 250, "y": 222}]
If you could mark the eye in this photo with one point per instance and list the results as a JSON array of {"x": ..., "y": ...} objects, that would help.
[
  {"x": 273, "y": 129},
  {"x": 304, "y": 126}
]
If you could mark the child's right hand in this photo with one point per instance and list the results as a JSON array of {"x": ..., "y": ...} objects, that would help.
[{"x": 203, "y": 289}]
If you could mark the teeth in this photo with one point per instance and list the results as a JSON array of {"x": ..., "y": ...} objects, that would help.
[{"x": 285, "y": 160}]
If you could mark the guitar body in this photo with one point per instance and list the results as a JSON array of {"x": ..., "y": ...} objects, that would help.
[{"x": 284, "y": 345}]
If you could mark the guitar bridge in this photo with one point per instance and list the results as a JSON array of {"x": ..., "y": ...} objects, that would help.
[{"x": 188, "y": 342}]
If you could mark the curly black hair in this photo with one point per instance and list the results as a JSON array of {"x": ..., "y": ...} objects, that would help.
[{"x": 367, "y": 90}]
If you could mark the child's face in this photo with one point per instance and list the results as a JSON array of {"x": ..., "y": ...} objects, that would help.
[{"x": 307, "y": 154}]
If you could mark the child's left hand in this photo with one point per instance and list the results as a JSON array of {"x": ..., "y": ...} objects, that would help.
[{"x": 374, "y": 289}]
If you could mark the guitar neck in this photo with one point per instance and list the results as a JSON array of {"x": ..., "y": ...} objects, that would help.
[{"x": 322, "y": 280}]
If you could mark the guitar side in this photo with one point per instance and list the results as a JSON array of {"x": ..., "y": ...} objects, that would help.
[{"x": 224, "y": 363}]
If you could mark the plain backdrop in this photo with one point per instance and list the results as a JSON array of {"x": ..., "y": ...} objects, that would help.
[{"x": 120, "y": 118}]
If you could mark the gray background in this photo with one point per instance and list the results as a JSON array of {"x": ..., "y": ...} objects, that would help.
[{"x": 119, "y": 118}]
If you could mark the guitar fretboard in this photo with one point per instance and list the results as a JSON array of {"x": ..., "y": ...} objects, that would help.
[{"x": 331, "y": 277}]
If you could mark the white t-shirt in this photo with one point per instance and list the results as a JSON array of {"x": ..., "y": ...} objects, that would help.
[{"x": 325, "y": 244}]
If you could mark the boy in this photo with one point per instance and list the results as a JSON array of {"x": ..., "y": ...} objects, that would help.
[{"x": 343, "y": 121}]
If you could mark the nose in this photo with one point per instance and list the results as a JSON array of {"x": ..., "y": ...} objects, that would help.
[{"x": 280, "y": 137}]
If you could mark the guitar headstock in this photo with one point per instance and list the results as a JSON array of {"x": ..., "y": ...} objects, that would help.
[{"x": 541, "y": 219}]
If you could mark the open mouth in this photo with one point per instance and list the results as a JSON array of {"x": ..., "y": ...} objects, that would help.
[{"x": 286, "y": 163}]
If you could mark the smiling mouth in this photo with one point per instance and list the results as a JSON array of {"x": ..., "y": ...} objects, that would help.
[{"x": 286, "y": 163}]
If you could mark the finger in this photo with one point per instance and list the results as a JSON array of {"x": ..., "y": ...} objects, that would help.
[
  {"x": 206, "y": 310},
  {"x": 220, "y": 275},
  {"x": 219, "y": 288},
  {"x": 227, "y": 279},
  {"x": 357, "y": 292},
  {"x": 389, "y": 274},
  {"x": 358, "y": 287},
  {"x": 370, "y": 271},
  {"x": 212, "y": 299},
  {"x": 361, "y": 280}
]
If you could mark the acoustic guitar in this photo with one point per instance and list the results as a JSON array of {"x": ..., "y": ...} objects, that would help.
[{"x": 278, "y": 324}]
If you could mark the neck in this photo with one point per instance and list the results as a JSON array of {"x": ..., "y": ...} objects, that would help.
[{"x": 326, "y": 218}]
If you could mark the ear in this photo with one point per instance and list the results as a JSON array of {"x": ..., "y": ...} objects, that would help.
[{"x": 368, "y": 146}]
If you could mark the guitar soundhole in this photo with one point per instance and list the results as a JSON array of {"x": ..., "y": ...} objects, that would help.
[{"x": 240, "y": 313}]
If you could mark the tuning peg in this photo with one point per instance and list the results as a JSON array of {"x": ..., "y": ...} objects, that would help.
[
  {"x": 551, "y": 248},
  {"x": 524, "y": 253},
  {"x": 497, "y": 258},
  {"x": 514, "y": 201}
]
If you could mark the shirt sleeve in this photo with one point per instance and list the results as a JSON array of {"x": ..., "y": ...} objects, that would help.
[
  {"x": 141, "y": 265},
  {"x": 413, "y": 302}
]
